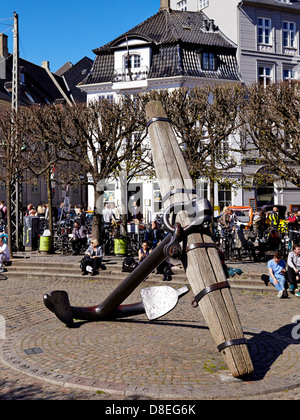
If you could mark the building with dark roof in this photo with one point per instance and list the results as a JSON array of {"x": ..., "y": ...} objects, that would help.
[
  {"x": 37, "y": 84},
  {"x": 74, "y": 74},
  {"x": 267, "y": 33},
  {"x": 170, "y": 49}
]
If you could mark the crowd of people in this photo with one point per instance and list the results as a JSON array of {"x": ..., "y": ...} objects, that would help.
[
  {"x": 283, "y": 270},
  {"x": 283, "y": 275},
  {"x": 269, "y": 229},
  {"x": 262, "y": 220}
]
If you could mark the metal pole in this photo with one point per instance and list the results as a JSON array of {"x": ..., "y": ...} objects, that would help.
[{"x": 17, "y": 216}]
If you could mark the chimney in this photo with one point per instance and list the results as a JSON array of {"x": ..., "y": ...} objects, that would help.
[
  {"x": 3, "y": 45},
  {"x": 164, "y": 5},
  {"x": 3, "y": 55},
  {"x": 46, "y": 65},
  {"x": 211, "y": 25}
]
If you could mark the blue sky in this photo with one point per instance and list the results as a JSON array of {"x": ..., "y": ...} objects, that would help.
[{"x": 67, "y": 30}]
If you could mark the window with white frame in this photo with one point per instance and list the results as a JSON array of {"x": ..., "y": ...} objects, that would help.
[
  {"x": 202, "y": 188},
  {"x": 134, "y": 61},
  {"x": 203, "y": 4},
  {"x": 157, "y": 198},
  {"x": 264, "y": 33},
  {"x": 222, "y": 150},
  {"x": 224, "y": 195},
  {"x": 109, "y": 98},
  {"x": 289, "y": 34},
  {"x": 265, "y": 75},
  {"x": 182, "y": 5},
  {"x": 288, "y": 73}
]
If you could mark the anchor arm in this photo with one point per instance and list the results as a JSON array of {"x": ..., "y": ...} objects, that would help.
[{"x": 58, "y": 302}]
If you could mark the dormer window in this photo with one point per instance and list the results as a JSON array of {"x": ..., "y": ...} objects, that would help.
[
  {"x": 22, "y": 79},
  {"x": 208, "y": 61}
]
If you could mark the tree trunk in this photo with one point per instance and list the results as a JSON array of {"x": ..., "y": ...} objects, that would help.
[
  {"x": 50, "y": 207},
  {"x": 97, "y": 216},
  {"x": 124, "y": 202},
  {"x": 9, "y": 226},
  {"x": 202, "y": 264}
]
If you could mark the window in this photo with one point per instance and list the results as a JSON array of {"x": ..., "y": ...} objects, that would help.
[
  {"x": 225, "y": 196},
  {"x": 203, "y": 3},
  {"x": 202, "y": 189},
  {"x": 109, "y": 98},
  {"x": 109, "y": 196},
  {"x": 22, "y": 79},
  {"x": 182, "y": 5},
  {"x": 264, "y": 32},
  {"x": 288, "y": 74},
  {"x": 265, "y": 75},
  {"x": 208, "y": 61},
  {"x": 157, "y": 198},
  {"x": 134, "y": 61},
  {"x": 284, "y": 1},
  {"x": 222, "y": 150},
  {"x": 289, "y": 34}
]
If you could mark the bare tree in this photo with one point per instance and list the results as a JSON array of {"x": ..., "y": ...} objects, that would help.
[
  {"x": 105, "y": 138},
  {"x": 203, "y": 118},
  {"x": 272, "y": 123},
  {"x": 43, "y": 129}
]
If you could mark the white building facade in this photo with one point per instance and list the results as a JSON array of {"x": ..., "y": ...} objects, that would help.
[
  {"x": 167, "y": 51},
  {"x": 267, "y": 35}
]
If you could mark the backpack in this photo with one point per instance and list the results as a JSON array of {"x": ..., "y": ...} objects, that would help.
[{"x": 129, "y": 264}]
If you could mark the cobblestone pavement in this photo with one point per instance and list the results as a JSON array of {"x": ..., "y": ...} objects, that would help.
[{"x": 173, "y": 358}]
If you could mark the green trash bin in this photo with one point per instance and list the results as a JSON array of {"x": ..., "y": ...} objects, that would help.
[
  {"x": 120, "y": 247},
  {"x": 45, "y": 243}
]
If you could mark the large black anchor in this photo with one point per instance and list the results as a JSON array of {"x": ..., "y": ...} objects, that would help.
[{"x": 156, "y": 301}]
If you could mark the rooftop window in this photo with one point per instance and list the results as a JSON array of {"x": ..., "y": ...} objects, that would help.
[{"x": 208, "y": 61}]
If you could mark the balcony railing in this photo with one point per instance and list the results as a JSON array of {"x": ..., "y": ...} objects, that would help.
[{"x": 131, "y": 75}]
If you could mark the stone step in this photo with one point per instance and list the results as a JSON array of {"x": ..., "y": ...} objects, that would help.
[
  {"x": 237, "y": 283},
  {"x": 66, "y": 271}
]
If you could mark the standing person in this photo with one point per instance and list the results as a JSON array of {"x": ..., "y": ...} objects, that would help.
[
  {"x": 79, "y": 238},
  {"x": 4, "y": 254},
  {"x": 81, "y": 215},
  {"x": 274, "y": 218},
  {"x": 276, "y": 268},
  {"x": 136, "y": 213},
  {"x": 61, "y": 214},
  {"x": 224, "y": 219},
  {"x": 106, "y": 213},
  {"x": 3, "y": 211},
  {"x": 28, "y": 210},
  {"x": 115, "y": 212},
  {"x": 41, "y": 210},
  {"x": 294, "y": 268}
]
